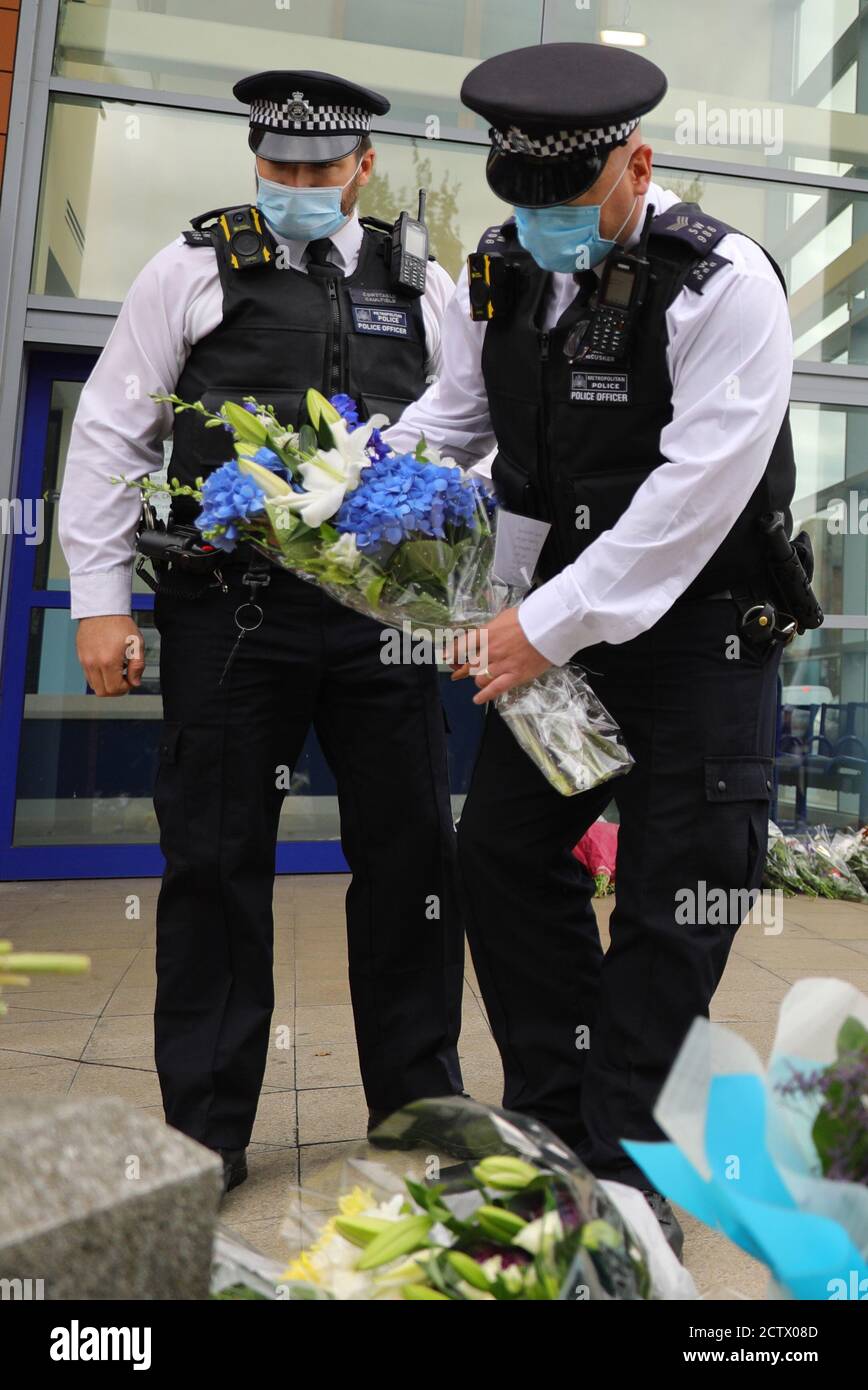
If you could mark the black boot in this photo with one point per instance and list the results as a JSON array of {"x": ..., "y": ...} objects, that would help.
[{"x": 234, "y": 1168}]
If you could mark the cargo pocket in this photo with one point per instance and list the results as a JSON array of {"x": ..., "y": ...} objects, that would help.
[{"x": 740, "y": 789}]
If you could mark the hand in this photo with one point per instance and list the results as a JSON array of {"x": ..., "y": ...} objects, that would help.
[
  {"x": 112, "y": 654},
  {"x": 510, "y": 658}
]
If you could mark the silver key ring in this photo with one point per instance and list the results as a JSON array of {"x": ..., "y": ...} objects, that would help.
[{"x": 253, "y": 626}]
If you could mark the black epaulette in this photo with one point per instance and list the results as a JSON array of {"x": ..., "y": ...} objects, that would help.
[
  {"x": 194, "y": 236},
  {"x": 691, "y": 229},
  {"x": 497, "y": 239},
  {"x": 688, "y": 226},
  {"x": 376, "y": 224}
]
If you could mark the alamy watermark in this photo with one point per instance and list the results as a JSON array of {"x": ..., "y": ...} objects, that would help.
[
  {"x": 424, "y": 646},
  {"x": 735, "y": 125},
  {"x": 721, "y": 907},
  {"x": 23, "y": 517}
]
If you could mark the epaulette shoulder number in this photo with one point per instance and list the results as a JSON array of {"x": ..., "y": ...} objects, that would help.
[
  {"x": 496, "y": 239},
  {"x": 701, "y": 272},
  {"x": 194, "y": 236},
  {"x": 693, "y": 229}
]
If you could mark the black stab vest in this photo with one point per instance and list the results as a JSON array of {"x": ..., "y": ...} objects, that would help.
[
  {"x": 283, "y": 331},
  {"x": 563, "y": 449}
]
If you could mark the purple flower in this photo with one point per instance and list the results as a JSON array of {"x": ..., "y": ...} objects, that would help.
[{"x": 346, "y": 408}]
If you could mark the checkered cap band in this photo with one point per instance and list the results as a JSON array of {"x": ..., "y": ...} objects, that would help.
[
  {"x": 561, "y": 142},
  {"x": 313, "y": 120}
]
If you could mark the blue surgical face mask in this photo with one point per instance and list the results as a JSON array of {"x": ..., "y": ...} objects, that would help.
[
  {"x": 567, "y": 238},
  {"x": 302, "y": 214}
]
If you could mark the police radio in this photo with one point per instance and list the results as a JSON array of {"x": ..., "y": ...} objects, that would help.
[
  {"x": 409, "y": 255},
  {"x": 606, "y": 336}
]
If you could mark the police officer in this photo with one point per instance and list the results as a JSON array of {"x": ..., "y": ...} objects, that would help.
[
  {"x": 268, "y": 300},
  {"x": 645, "y": 418}
]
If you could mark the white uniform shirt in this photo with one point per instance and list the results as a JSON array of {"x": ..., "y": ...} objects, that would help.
[
  {"x": 730, "y": 356},
  {"x": 119, "y": 431}
]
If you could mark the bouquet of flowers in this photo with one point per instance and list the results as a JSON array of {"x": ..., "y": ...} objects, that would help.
[
  {"x": 521, "y": 1220},
  {"x": 818, "y": 863},
  {"x": 406, "y": 539},
  {"x": 776, "y": 1158},
  {"x": 598, "y": 851}
]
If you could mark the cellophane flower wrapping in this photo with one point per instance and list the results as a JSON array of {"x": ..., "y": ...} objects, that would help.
[
  {"x": 405, "y": 539},
  {"x": 438, "y": 591},
  {"x": 743, "y": 1156},
  {"x": 819, "y": 862},
  {"x": 518, "y": 1217}
]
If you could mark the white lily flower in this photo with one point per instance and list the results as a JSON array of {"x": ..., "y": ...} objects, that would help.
[{"x": 331, "y": 474}]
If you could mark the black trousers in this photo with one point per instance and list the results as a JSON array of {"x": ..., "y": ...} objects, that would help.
[
  {"x": 693, "y": 816},
  {"x": 218, "y": 799}
]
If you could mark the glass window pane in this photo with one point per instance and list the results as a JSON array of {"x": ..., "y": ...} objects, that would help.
[
  {"x": 815, "y": 236},
  {"x": 781, "y": 81},
  {"x": 106, "y": 162},
  {"x": 825, "y": 673},
  {"x": 111, "y": 196},
  {"x": 416, "y": 53}
]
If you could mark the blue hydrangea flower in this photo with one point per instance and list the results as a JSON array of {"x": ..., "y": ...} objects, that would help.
[
  {"x": 228, "y": 497},
  {"x": 402, "y": 496}
]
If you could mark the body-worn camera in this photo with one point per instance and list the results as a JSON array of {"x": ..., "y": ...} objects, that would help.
[{"x": 246, "y": 239}]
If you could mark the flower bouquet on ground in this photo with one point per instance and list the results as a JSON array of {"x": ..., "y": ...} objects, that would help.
[
  {"x": 776, "y": 1158},
  {"x": 521, "y": 1219},
  {"x": 819, "y": 863},
  {"x": 598, "y": 851},
  {"x": 406, "y": 539}
]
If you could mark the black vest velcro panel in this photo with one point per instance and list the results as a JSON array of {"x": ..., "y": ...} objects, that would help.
[
  {"x": 577, "y": 463},
  {"x": 283, "y": 331}
]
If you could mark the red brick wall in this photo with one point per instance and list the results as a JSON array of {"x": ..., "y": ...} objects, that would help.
[{"x": 8, "y": 33}]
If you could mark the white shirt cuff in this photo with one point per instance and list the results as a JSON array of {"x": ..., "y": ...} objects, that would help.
[
  {"x": 551, "y": 624},
  {"x": 102, "y": 593}
]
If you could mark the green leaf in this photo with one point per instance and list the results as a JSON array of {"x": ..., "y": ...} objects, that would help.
[
  {"x": 422, "y": 561},
  {"x": 374, "y": 589},
  {"x": 853, "y": 1037}
]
